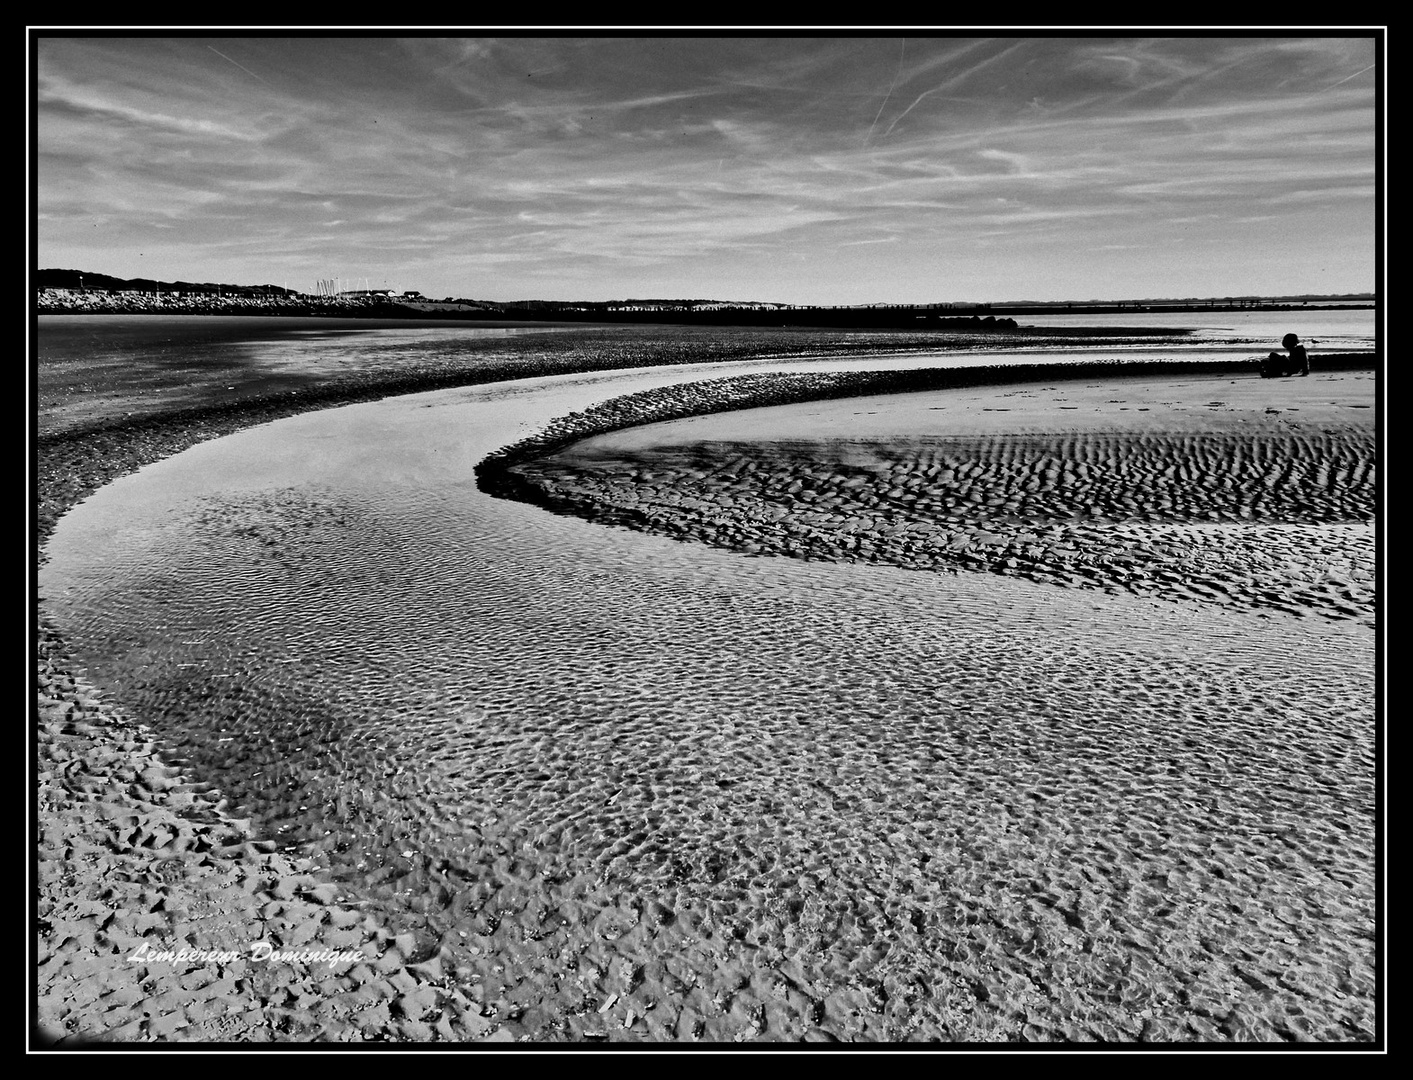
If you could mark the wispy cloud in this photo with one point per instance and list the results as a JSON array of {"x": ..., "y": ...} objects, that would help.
[{"x": 615, "y": 164}]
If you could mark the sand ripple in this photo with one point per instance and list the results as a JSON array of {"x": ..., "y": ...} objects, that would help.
[
  {"x": 1223, "y": 518},
  {"x": 607, "y": 786}
]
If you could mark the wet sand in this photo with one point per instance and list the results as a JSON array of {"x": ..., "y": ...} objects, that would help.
[
  {"x": 1120, "y": 872},
  {"x": 1242, "y": 492}
]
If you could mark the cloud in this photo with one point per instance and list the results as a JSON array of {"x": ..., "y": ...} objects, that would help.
[
  {"x": 91, "y": 111},
  {"x": 682, "y": 153}
]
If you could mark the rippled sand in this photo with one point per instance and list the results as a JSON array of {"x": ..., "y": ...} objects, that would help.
[
  {"x": 619, "y": 787},
  {"x": 1263, "y": 499}
]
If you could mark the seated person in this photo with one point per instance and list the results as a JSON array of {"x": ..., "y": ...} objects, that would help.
[{"x": 1297, "y": 363}]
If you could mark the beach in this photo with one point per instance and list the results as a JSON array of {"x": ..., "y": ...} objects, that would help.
[
  {"x": 1130, "y": 482},
  {"x": 1107, "y": 773}
]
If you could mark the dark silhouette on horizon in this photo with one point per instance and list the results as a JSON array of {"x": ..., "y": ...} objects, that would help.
[{"x": 1297, "y": 362}]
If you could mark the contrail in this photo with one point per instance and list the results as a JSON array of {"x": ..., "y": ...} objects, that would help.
[
  {"x": 1347, "y": 78},
  {"x": 902, "y": 49},
  {"x": 953, "y": 81},
  {"x": 242, "y": 67}
]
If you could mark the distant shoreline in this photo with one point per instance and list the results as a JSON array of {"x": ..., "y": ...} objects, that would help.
[
  {"x": 104, "y": 302},
  {"x": 1172, "y": 309},
  {"x": 902, "y": 317}
]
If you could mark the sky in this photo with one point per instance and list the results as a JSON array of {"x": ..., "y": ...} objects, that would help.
[{"x": 911, "y": 167}]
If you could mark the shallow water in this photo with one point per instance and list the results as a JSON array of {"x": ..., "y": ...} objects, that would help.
[
  {"x": 98, "y": 367},
  {"x": 1332, "y": 330},
  {"x": 390, "y": 671}
]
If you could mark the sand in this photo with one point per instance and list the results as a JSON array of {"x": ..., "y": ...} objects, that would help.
[
  {"x": 1110, "y": 915},
  {"x": 1242, "y": 492}
]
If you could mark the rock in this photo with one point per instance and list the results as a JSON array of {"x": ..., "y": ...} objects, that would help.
[
  {"x": 430, "y": 971},
  {"x": 414, "y": 1004},
  {"x": 323, "y": 894}
]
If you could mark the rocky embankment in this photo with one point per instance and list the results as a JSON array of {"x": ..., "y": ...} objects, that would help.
[{"x": 119, "y": 302}]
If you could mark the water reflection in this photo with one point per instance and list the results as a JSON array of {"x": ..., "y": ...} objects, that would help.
[{"x": 441, "y": 697}]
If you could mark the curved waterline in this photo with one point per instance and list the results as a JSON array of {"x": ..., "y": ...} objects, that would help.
[{"x": 727, "y": 739}]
